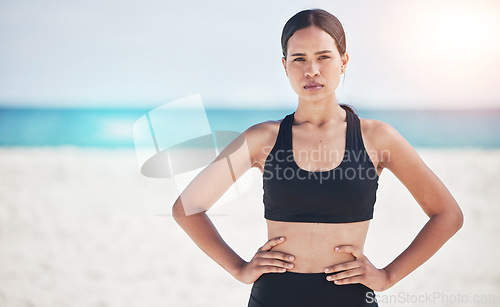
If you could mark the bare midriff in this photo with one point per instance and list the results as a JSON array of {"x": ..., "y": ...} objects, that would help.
[{"x": 313, "y": 244}]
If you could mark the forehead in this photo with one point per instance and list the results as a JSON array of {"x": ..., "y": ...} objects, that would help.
[{"x": 310, "y": 39}]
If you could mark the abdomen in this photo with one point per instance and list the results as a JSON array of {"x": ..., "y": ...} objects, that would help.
[{"x": 313, "y": 244}]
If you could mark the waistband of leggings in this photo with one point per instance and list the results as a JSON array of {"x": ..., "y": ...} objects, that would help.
[{"x": 311, "y": 274}]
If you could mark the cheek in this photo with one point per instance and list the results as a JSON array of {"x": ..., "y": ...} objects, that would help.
[
  {"x": 294, "y": 70},
  {"x": 295, "y": 75},
  {"x": 335, "y": 66},
  {"x": 331, "y": 73}
]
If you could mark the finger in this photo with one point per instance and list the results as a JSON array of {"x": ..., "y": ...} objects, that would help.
[
  {"x": 272, "y": 243},
  {"x": 271, "y": 269},
  {"x": 275, "y": 262},
  {"x": 343, "y": 266},
  {"x": 277, "y": 255},
  {"x": 351, "y": 249},
  {"x": 349, "y": 280},
  {"x": 345, "y": 274}
]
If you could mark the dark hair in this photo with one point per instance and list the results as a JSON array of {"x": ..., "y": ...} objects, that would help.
[{"x": 321, "y": 19}]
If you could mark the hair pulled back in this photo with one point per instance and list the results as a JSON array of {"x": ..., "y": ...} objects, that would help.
[{"x": 321, "y": 19}]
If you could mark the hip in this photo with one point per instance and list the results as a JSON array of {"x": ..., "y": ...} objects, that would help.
[{"x": 307, "y": 289}]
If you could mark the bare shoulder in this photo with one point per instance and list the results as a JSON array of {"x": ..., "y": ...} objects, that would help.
[
  {"x": 376, "y": 130},
  {"x": 379, "y": 138},
  {"x": 260, "y": 139},
  {"x": 389, "y": 144},
  {"x": 399, "y": 156}
]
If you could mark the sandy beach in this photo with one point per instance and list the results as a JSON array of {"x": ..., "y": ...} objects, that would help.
[{"x": 83, "y": 227}]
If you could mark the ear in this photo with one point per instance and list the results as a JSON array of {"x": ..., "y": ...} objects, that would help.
[
  {"x": 345, "y": 58},
  {"x": 284, "y": 65}
]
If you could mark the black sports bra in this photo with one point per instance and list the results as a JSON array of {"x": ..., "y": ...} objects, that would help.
[{"x": 344, "y": 194}]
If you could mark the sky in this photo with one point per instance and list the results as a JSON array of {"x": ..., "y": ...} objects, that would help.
[{"x": 109, "y": 53}]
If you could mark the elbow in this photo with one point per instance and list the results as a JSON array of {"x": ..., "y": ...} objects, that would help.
[
  {"x": 454, "y": 218},
  {"x": 178, "y": 212},
  {"x": 458, "y": 219}
]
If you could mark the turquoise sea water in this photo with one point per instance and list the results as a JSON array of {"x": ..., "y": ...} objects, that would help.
[{"x": 113, "y": 128}]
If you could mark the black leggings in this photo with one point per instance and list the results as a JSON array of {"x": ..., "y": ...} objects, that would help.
[{"x": 292, "y": 289}]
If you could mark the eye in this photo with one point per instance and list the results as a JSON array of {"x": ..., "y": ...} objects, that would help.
[{"x": 302, "y": 59}]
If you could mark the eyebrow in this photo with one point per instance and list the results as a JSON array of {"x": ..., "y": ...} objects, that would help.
[{"x": 319, "y": 52}]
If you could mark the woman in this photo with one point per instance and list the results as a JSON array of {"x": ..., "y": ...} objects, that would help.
[{"x": 317, "y": 209}]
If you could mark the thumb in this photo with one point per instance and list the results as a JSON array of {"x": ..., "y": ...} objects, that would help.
[
  {"x": 350, "y": 249},
  {"x": 272, "y": 243}
]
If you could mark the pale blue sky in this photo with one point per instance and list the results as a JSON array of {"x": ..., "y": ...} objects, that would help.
[{"x": 87, "y": 53}]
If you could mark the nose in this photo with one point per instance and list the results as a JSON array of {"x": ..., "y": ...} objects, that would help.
[{"x": 312, "y": 70}]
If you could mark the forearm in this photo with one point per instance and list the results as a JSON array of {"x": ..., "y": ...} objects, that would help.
[
  {"x": 202, "y": 231},
  {"x": 429, "y": 240}
]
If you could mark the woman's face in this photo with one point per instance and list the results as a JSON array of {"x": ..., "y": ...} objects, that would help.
[{"x": 312, "y": 56}]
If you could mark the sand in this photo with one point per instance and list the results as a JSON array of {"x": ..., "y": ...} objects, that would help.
[{"x": 83, "y": 227}]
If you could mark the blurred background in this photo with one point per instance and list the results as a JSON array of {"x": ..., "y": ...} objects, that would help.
[{"x": 80, "y": 225}]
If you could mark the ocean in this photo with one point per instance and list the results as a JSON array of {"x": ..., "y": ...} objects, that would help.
[{"x": 112, "y": 128}]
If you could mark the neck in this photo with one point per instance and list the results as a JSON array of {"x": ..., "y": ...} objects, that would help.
[{"x": 319, "y": 112}]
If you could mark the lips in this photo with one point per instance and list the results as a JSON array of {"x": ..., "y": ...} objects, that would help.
[{"x": 313, "y": 85}]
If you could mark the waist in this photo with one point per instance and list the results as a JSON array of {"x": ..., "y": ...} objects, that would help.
[{"x": 313, "y": 244}]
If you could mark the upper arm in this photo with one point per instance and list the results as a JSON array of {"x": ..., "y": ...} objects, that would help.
[
  {"x": 404, "y": 162},
  {"x": 217, "y": 177}
]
